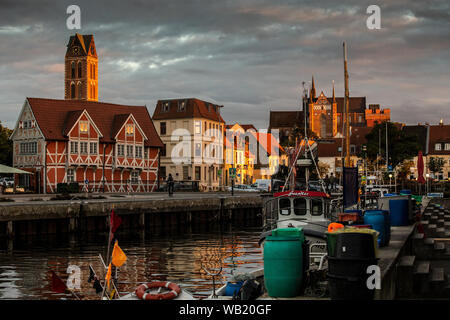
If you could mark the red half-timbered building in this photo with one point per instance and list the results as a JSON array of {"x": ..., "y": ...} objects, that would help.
[{"x": 102, "y": 146}]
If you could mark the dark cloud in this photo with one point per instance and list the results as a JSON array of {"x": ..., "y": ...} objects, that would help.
[{"x": 250, "y": 56}]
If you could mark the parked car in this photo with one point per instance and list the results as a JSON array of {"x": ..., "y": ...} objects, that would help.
[{"x": 262, "y": 184}]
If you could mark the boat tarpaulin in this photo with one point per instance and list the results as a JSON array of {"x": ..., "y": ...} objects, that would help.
[{"x": 351, "y": 186}]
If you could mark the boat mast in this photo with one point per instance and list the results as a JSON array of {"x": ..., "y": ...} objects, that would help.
[{"x": 346, "y": 104}]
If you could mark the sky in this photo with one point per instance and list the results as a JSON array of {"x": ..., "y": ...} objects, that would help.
[{"x": 249, "y": 56}]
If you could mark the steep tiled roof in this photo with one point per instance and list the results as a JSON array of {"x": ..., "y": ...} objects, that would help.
[
  {"x": 194, "y": 108},
  {"x": 355, "y": 104},
  {"x": 281, "y": 119},
  {"x": 248, "y": 126},
  {"x": 55, "y": 116},
  {"x": 439, "y": 134}
]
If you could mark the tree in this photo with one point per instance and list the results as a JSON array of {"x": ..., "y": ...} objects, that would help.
[
  {"x": 435, "y": 164},
  {"x": 400, "y": 145},
  {"x": 6, "y": 146}
]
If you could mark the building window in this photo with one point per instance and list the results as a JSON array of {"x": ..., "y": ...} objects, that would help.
[
  {"x": 134, "y": 176},
  {"x": 84, "y": 147},
  {"x": 130, "y": 151},
  {"x": 182, "y": 106},
  {"x": 72, "y": 91},
  {"x": 79, "y": 69},
  {"x": 138, "y": 152},
  {"x": 83, "y": 126},
  {"x": 447, "y": 146},
  {"x": 198, "y": 127},
  {"x": 79, "y": 91},
  {"x": 93, "y": 148},
  {"x": 339, "y": 149},
  {"x": 93, "y": 71},
  {"x": 198, "y": 150},
  {"x": 162, "y": 128},
  {"x": 28, "y": 148},
  {"x": 185, "y": 172},
  {"x": 73, "y": 147},
  {"x": 72, "y": 67},
  {"x": 197, "y": 173},
  {"x": 352, "y": 149},
  {"x": 120, "y": 150},
  {"x": 437, "y": 146},
  {"x": 70, "y": 175},
  {"x": 129, "y": 129},
  {"x": 163, "y": 150},
  {"x": 165, "y": 107}
]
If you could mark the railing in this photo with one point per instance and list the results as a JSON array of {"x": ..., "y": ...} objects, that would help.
[{"x": 124, "y": 186}]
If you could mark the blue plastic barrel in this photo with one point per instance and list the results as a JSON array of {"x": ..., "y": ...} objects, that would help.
[
  {"x": 377, "y": 218},
  {"x": 387, "y": 225},
  {"x": 405, "y": 191},
  {"x": 232, "y": 288},
  {"x": 399, "y": 211}
]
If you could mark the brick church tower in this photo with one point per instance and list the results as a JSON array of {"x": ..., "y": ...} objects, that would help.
[{"x": 81, "y": 69}]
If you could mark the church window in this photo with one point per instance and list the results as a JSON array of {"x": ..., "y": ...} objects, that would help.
[
  {"x": 72, "y": 91},
  {"x": 79, "y": 69},
  {"x": 73, "y": 70},
  {"x": 93, "y": 71},
  {"x": 79, "y": 90}
]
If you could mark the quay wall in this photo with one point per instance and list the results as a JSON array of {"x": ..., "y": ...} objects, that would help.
[{"x": 93, "y": 215}]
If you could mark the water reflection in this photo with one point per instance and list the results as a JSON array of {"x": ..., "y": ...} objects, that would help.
[{"x": 181, "y": 257}]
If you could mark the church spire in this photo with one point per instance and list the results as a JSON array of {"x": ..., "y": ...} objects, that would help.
[{"x": 312, "y": 93}]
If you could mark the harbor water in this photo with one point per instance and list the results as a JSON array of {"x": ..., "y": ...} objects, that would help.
[{"x": 172, "y": 255}]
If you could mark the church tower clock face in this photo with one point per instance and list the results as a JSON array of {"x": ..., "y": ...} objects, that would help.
[{"x": 76, "y": 50}]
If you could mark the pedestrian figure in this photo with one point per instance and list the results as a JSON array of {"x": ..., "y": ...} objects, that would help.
[
  {"x": 170, "y": 184},
  {"x": 332, "y": 182},
  {"x": 327, "y": 183}
]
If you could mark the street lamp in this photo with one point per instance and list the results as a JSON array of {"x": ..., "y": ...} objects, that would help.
[
  {"x": 428, "y": 176},
  {"x": 390, "y": 185}
]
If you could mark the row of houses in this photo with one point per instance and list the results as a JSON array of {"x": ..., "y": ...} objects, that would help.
[{"x": 121, "y": 148}]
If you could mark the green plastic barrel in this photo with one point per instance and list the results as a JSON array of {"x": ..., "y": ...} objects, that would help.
[{"x": 283, "y": 262}]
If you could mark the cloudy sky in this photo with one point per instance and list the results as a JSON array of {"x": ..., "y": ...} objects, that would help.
[{"x": 250, "y": 56}]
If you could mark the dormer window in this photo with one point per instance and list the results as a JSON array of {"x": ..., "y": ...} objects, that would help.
[
  {"x": 437, "y": 146},
  {"x": 182, "y": 106},
  {"x": 83, "y": 126},
  {"x": 129, "y": 129},
  {"x": 165, "y": 107}
]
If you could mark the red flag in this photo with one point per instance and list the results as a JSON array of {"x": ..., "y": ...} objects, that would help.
[
  {"x": 115, "y": 221},
  {"x": 420, "y": 177},
  {"x": 58, "y": 285}
]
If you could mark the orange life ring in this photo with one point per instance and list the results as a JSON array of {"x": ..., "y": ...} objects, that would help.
[{"x": 143, "y": 295}]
